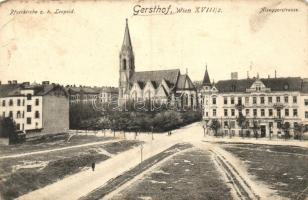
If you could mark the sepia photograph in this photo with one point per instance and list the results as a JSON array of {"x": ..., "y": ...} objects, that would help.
[{"x": 154, "y": 100}]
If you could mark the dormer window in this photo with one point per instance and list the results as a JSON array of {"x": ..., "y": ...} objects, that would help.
[
  {"x": 285, "y": 86},
  {"x": 29, "y": 96}
]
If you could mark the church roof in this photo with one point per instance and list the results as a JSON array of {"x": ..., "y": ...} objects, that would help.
[
  {"x": 275, "y": 84},
  {"x": 127, "y": 43},
  {"x": 156, "y": 77},
  {"x": 206, "y": 79},
  {"x": 184, "y": 81}
]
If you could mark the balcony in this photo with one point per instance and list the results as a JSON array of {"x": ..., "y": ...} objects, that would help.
[{"x": 278, "y": 105}]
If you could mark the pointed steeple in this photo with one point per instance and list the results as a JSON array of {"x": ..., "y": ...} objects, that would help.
[
  {"x": 206, "y": 79},
  {"x": 127, "y": 44}
]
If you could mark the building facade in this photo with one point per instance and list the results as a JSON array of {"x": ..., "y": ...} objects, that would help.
[
  {"x": 108, "y": 94},
  {"x": 165, "y": 86},
  {"x": 265, "y": 103},
  {"x": 82, "y": 94},
  {"x": 35, "y": 108}
]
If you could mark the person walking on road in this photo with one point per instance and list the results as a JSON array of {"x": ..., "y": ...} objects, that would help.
[{"x": 93, "y": 166}]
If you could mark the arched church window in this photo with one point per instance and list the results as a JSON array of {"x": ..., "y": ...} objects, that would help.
[{"x": 124, "y": 64}]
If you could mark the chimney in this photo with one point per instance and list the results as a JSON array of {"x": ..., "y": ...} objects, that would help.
[
  {"x": 247, "y": 74},
  {"x": 268, "y": 77},
  {"x": 275, "y": 74},
  {"x": 26, "y": 83},
  {"x": 9, "y": 82},
  {"x": 14, "y": 81},
  {"x": 45, "y": 82},
  {"x": 234, "y": 76},
  {"x": 0, "y": 82}
]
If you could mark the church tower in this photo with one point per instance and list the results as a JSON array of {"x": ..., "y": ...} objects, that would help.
[{"x": 127, "y": 63}]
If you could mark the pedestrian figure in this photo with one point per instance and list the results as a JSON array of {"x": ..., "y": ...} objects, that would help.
[
  {"x": 93, "y": 166},
  {"x": 170, "y": 133}
]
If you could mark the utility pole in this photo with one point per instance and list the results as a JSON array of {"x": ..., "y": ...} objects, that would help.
[{"x": 141, "y": 148}]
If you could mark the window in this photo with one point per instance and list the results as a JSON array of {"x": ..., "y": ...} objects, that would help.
[
  {"x": 226, "y": 124},
  {"x": 18, "y": 126},
  {"x": 286, "y": 112},
  {"x": 225, "y": 100},
  {"x": 23, "y": 102},
  {"x": 214, "y": 100},
  {"x": 232, "y": 100},
  {"x": 239, "y": 100},
  {"x": 279, "y": 125},
  {"x": 18, "y": 102},
  {"x": 247, "y": 112},
  {"x": 225, "y": 112},
  {"x": 254, "y": 100},
  {"x": 262, "y": 100},
  {"x": 246, "y": 100},
  {"x": 11, "y": 102},
  {"x": 37, "y": 102},
  {"x": 295, "y": 112},
  {"x": 37, "y": 114},
  {"x": 270, "y": 99},
  {"x": 306, "y": 102},
  {"x": 28, "y": 108},
  {"x": 306, "y": 114},
  {"x": 29, "y": 96},
  {"x": 278, "y": 99},
  {"x": 294, "y": 99},
  {"x": 262, "y": 112},
  {"x": 214, "y": 112},
  {"x": 28, "y": 120},
  {"x": 286, "y": 99},
  {"x": 254, "y": 112},
  {"x": 232, "y": 124},
  {"x": 23, "y": 114},
  {"x": 232, "y": 112},
  {"x": 278, "y": 112},
  {"x": 11, "y": 114},
  {"x": 3, "y": 114},
  {"x": 3, "y": 102},
  {"x": 270, "y": 112},
  {"x": 18, "y": 115}
]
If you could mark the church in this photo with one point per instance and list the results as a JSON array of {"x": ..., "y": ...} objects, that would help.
[{"x": 163, "y": 86}]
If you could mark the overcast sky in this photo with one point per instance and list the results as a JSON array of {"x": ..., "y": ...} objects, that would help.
[{"x": 83, "y": 47}]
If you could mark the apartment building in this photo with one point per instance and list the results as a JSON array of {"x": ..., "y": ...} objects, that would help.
[
  {"x": 267, "y": 102},
  {"x": 41, "y": 108},
  {"x": 82, "y": 94}
]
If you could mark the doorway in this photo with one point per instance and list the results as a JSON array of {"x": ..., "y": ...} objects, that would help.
[{"x": 263, "y": 131}]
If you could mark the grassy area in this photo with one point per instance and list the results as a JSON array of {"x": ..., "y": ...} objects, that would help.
[
  {"x": 22, "y": 175},
  {"x": 49, "y": 143},
  {"x": 129, "y": 175},
  {"x": 284, "y": 168},
  {"x": 191, "y": 175}
]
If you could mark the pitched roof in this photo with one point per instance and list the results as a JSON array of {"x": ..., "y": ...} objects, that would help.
[
  {"x": 275, "y": 84},
  {"x": 206, "y": 79},
  {"x": 170, "y": 76},
  {"x": 7, "y": 90},
  {"x": 109, "y": 89},
  {"x": 10, "y": 90},
  {"x": 305, "y": 86},
  {"x": 183, "y": 81}
]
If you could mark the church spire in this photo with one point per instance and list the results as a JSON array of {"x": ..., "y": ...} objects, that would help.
[
  {"x": 127, "y": 44},
  {"x": 206, "y": 79}
]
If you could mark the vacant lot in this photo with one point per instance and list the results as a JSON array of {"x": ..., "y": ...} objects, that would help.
[
  {"x": 191, "y": 175},
  {"x": 282, "y": 167},
  {"x": 46, "y": 143},
  {"x": 22, "y": 175}
]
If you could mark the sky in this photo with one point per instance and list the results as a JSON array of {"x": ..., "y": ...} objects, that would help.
[{"x": 83, "y": 48}]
